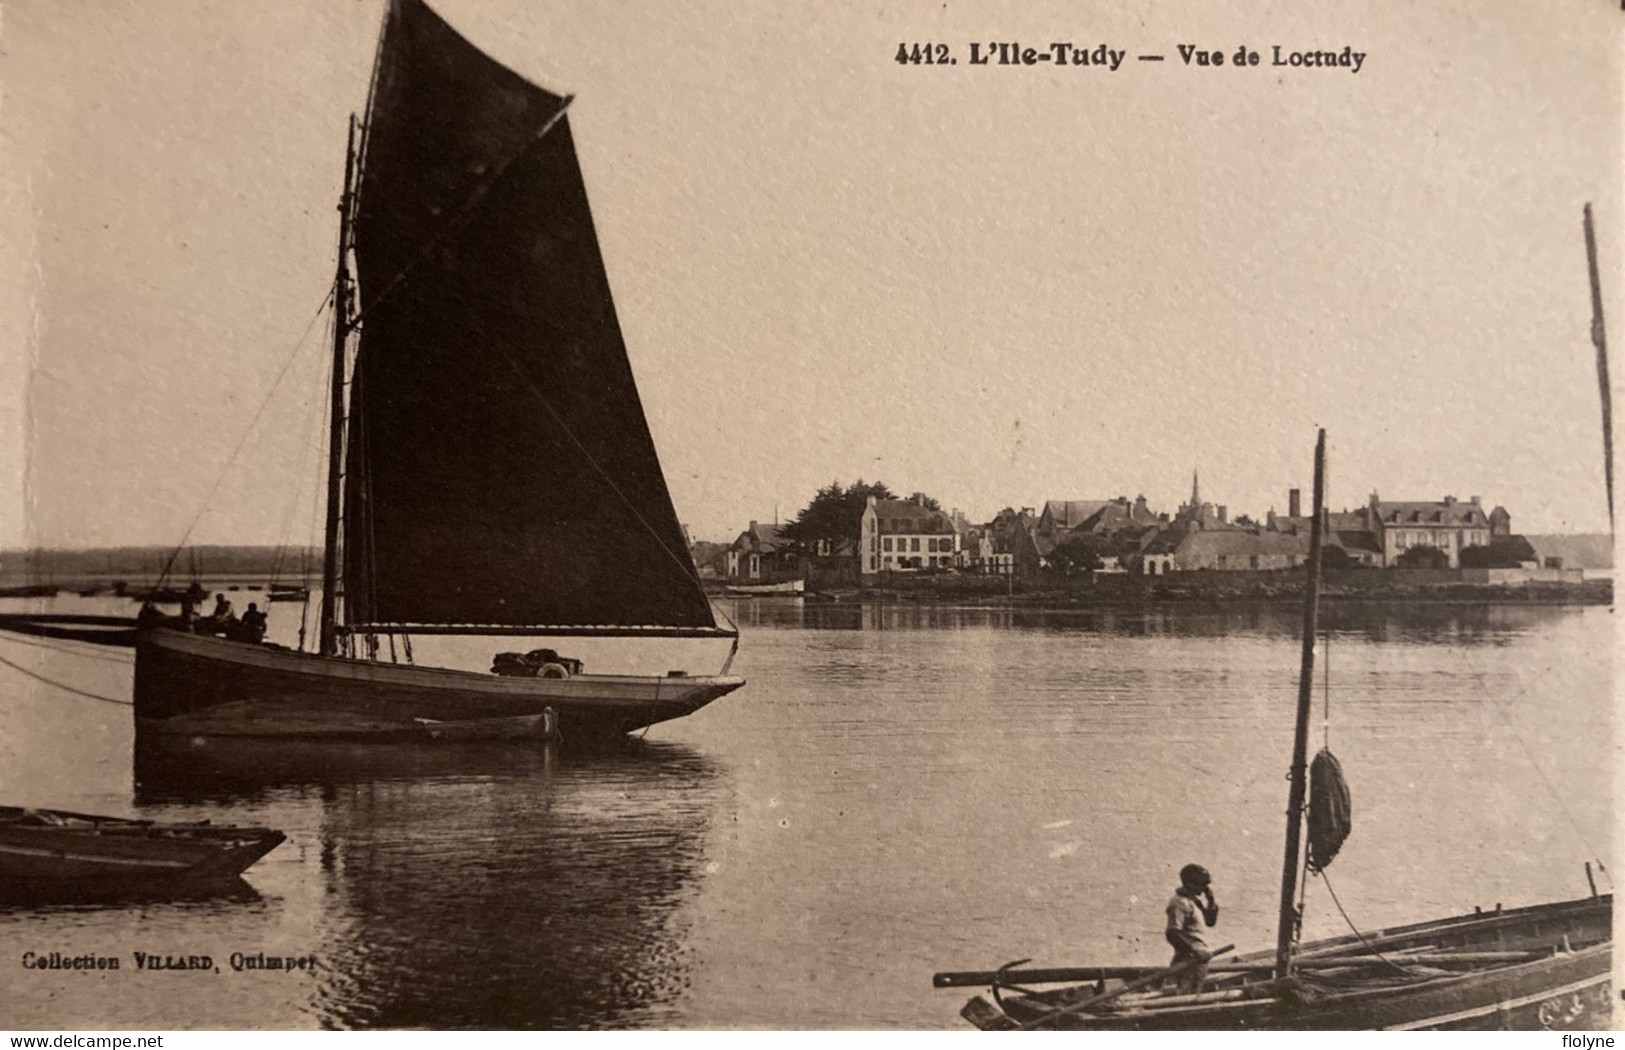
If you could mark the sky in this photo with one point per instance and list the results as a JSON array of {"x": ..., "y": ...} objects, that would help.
[{"x": 996, "y": 285}]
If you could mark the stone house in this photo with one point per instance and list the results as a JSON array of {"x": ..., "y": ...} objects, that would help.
[
  {"x": 1448, "y": 525},
  {"x": 904, "y": 536}
]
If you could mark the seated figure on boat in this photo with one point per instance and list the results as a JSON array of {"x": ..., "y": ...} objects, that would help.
[
  {"x": 187, "y": 620},
  {"x": 251, "y": 628},
  {"x": 149, "y": 616},
  {"x": 1192, "y": 905},
  {"x": 538, "y": 663},
  {"x": 221, "y": 620}
]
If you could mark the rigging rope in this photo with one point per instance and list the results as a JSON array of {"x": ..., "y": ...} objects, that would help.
[
  {"x": 1524, "y": 744},
  {"x": 461, "y": 216},
  {"x": 306, "y": 470},
  {"x": 687, "y": 568},
  {"x": 1355, "y": 930},
  {"x": 247, "y": 433},
  {"x": 63, "y": 687}
]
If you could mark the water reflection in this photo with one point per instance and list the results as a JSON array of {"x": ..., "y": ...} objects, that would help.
[
  {"x": 37, "y": 898},
  {"x": 1440, "y": 623},
  {"x": 202, "y": 770},
  {"x": 902, "y": 789},
  {"x": 547, "y": 901},
  {"x": 478, "y": 887}
]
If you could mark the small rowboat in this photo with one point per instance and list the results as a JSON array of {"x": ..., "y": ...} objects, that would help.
[
  {"x": 782, "y": 589},
  {"x": 44, "y": 848}
]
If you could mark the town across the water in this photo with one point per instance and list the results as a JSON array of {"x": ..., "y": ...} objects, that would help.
[{"x": 905, "y": 542}]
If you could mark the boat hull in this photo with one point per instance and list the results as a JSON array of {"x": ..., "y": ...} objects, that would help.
[
  {"x": 1568, "y": 988},
  {"x": 204, "y": 686},
  {"x": 44, "y": 849},
  {"x": 784, "y": 589}
]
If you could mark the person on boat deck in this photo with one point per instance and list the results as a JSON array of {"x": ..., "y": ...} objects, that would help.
[
  {"x": 1192, "y": 906},
  {"x": 222, "y": 609},
  {"x": 149, "y": 616},
  {"x": 251, "y": 628}
]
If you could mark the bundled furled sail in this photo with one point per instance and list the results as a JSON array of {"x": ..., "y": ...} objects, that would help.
[
  {"x": 1330, "y": 810},
  {"x": 499, "y": 468}
]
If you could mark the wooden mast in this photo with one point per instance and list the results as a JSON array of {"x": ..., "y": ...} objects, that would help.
[
  {"x": 1601, "y": 343},
  {"x": 1287, "y": 929},
  {"x": 328, "y": 632}
]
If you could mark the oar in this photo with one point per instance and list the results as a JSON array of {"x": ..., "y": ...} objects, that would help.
[{"x": 1096, "y": 1000}]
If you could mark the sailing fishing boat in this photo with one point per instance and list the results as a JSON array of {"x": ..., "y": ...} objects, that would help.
[
  {"x": 1546, "y": 966},
  {"x": 490, "y": 469}
]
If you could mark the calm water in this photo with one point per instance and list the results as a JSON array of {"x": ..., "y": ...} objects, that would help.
[{"x": 899, "y": 790}]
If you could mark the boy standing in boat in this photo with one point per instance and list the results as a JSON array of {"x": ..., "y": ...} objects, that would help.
[{"x": 1192, "y": 906}]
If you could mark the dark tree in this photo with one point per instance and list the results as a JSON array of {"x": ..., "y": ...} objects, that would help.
[
  {"x": 1423, "y": 557},
  {"x": 1079, "y": 554},
  {"x": 833, "y": 517},
  {"x": 1510, "y": 552},
  {"x": 1335, "y": 557}
]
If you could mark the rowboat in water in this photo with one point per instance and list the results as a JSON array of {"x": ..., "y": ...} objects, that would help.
[
  {"x": 782, "y": 589},
  {"x": 1545, "y": 966},
  {"x": 44, "y": 849}
]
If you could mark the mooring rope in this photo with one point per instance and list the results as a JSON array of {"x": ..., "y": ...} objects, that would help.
[
  {"x": 64, "y": 688},
  {"x": 62, "y": 649}
]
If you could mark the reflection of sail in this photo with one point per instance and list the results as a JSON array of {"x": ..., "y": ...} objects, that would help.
[
  {"x": 541, "y": 902},
  {"x": 33, "y": 899},
  {"x": 490, "y": 887}
]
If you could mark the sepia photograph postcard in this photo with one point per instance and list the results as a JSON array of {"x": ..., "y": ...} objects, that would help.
[{"x": 919, "y": 516}]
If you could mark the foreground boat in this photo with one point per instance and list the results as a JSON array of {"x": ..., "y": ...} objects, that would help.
[
  {"x": 43, "y": 849},
  {"x": 1546, "y": 966},
  {"x": 490, "y": 469}
]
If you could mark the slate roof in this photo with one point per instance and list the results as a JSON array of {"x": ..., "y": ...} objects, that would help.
[
  {"x": 905, "y": 516},
  {"x": 763, "y": 539},
  {"x": 1070, "y": 513},
  {"x": 1422, "y": 512}
]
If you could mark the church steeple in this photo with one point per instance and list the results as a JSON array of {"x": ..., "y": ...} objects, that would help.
[{"x": 1196, "y": 491}]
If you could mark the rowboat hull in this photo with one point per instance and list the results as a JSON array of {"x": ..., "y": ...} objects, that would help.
[
  {"x": 784, "y": 589},
  {"x": 41, "y": 849},
  {"x": 1564, "y": 982},
  {"x": 197, "y": 685}
]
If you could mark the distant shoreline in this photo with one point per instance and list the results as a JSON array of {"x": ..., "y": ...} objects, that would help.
[{"x": 1218, "y": 589}]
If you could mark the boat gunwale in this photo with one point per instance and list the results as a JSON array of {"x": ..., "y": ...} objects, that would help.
[
  {"x": 259, "y": 654},
  {"x": 1138, "y": 1010}
]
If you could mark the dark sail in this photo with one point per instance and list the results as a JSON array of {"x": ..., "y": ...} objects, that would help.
[{"x": 500, "y": 470}]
